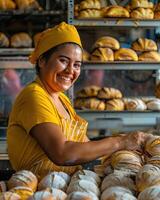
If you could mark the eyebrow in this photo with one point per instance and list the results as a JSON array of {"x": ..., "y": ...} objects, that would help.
[{"x": 69, "y": 58}]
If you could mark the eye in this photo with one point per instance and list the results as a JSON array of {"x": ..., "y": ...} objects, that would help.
[
  {"x": 63, "y": 60},
  {"x": 77, "y": 66}
]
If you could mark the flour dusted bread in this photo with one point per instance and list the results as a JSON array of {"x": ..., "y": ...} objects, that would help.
[
  {"x": 102, "y": 54},
  {"x": 114, "y": 105},
  {"x": 83, "y": 177},
  {"x": 64, "y": 175},
  {"x": 58, "y": 194},
  {"x": 135, "y": 104},
  {"x": 144, "y": 44},
  {"x": 116, "y": 11},
  {"x": 142, "y": 13},
  {"x": 41, "y": 195},
  {"x": 52, "y": 181},
  {"x": 23, "y": 178},
  {"x": 9, "y": 196},
  {"x": 151, "y": 56},
  {"x": 151, "y": 193},
  {"x": 21, "y": 40},
  {"x": 90, "y": 13},
  {"x": 23, "y": 192},
  {"x": 90, "y": 4},
  {"x": 154, "y": 104},
  {"x": 148, "y": 175},
  {"x": 109, "y": 93},
  {"x": 152, "y": 146},
  {"x": 107, "y": 41},
  {"x": 141, "y": 4},
  {"x": 77, "y": 195},
  {"x": 125, "y": 54},
  {"x": 89, "y": 91},
  {"x": 7, "y": 5},
  {"x": 4, "y": 41}
]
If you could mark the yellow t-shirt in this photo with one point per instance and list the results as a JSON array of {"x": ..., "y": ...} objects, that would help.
[{"x": 34, "y": 106}]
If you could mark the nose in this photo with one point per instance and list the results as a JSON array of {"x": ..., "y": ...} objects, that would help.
[{"x": 70, "y": 68}]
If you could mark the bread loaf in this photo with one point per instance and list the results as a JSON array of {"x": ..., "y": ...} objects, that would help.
[
  {"x": 9, "y": 196},
  {"x": 157, "y": 7},
  {"x": 83, "y": 177},
  {"x": 90, "y": 4},
  {"x": 157, "y": 90},
  {"x": 77, "y": 195},
  {"x": 79, "y": 103},
  {"x": 90, "y": 13},
  {"x": 41, "y": 195},
  {"x": 89, "y": 91},
  {"x": 152, "y": 146},
  {"x": 94, "y": 104},
  {"x": 154, "y": 104},
  {"x": 58, "y": 194},
  {"x": 125, "y": 54},
  {"x": 7, "y": 5},
  {"x": 28, "y": 5},
  {"x": 151, "y": 56},
  {"x": 64, "y": 175},
  {"x": 23, "y": 192},
  {"x": 135, "y": 105},
  {"x": 141, "y": 4},
  {"x": 142, "y": 13},
  {"x": 109, "y": 93},
  {"x": 23, "y": 178},
  {"x": 107, "y": 41},
  {"x": 157, "y": 15},
  {"x": 154, "y": 160},
  {"x": 116, "y": 11},
  {"x": 4, "y": 41},
  {"x": 147, "y": 176},
  {"x": 21, "y": 40},
  {"x": 144, "y": 44},
  {"x": 151, "y": 193},
  {"x": 114, "y": 105},
  {"x": 102, "y": 55}
]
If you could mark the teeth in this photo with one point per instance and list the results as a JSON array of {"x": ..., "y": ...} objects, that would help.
[{"x": 65, "y": 78}]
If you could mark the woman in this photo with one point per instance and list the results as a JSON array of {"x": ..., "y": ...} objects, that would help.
[{"x": 44, "y": 132}]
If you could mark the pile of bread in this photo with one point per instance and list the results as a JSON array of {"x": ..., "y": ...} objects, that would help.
[
  {"x": 136, "y": 9},
  {"x": 19, "y": 4},
  {"x": 108, "y": 49},
  {"x": 105, "y": 98}
]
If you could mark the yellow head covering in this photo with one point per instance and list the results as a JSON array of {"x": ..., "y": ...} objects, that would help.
[{"x": 52, "y": 37}]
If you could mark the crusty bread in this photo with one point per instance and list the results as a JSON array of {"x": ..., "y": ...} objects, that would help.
[
  {"x": 21, "y": 40},
  {"x": 144, "y": 44},
  {"x": 151, "y": 56},
  {"x": 90, "y": 13},
  {"x": 7, "y": 5},
  {"x": 114, "y": 105},
  {"x": 88, "y": 91},
  {"x": 94, "y": 104},
  {"x": 77, "y": 195},
  {"x": 90, "y": 4},
  {"x": 23, "y": 192},
  {"x": 125, "y": 54},
  {"x": 41, "y": 195},
  {"x": 141, "y": 4},
  {"x": 116, "y": 11},
  {"x": 4, "y": 41},
  {"x": 58, "y": 194},
  {"x": 28, "y": 5},
  {"x": 152, "y": 146},
  {"x": 109, "y": 93},
  {"x": 9, "y": 196},
  {"x": 150, "y": 193},
  {"x": 102, "y": 55},
  {"x": 154, "y": 160},
  {"x": 142, "y": 13},
  {"x": 135, "y": 104},
  {"x": 107, "y": 41}
]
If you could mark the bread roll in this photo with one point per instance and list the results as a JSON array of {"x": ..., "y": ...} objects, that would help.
[
  {"x": 154, "y": 105},
  {"x": 3, "y": 186},
  {"x": 58, "y": 194},
  {"x": 64, "y": 175},
  {"x": 141, "y": 4},
  {"x": 83, "y": 177},
  {"x": 117, "y": 193},
  {"x": 151, "y": 56},
  {"x": 86, "y": 56},
  {"x": 125, "y": 54},
  {"x": 76, "y": 10},
  {"x": 144, "y": 44},
  {"x": 83, "y": 186},
  {"x": 154, "y": 160},
  {"x": 9, "y": 196},
  {"x": 151, "y": 193},
  {"x": 23, "y": 178},
  {"x": 7, "y": 5},
  {"x": 94, "y": 104},
  {"x": 114, "y": 105},
  {"x": 135, "y": 105},
  {"x": 157, "y": 90},
  {"x": 152, "y": 145},
  {"x": 79, "y": 103},
  {"x": 109, "y": 93},
  {"x": 116, "y": 11},
  {"x": 89, "y": 91},
  {"x": 90, "y": 4},
  {"x": 102, "y": 55},
  {"x": 23, "y": 192},
  {"x": 118, "y": 180},
  {"x": 90, "y": 13},
  {"x": 52, "y": 181},
  {"x": 41, "y": 195},
  {"x": 21, "y": 40},
  {"x": 147, "y": 176},
  {"x": 142, "y": 13},
  {"x": 107, "y": 41},
  {"x": 4, "y": 41},
  {"x": 77, "y": 195},
  {"x": 28, "y": 5}
]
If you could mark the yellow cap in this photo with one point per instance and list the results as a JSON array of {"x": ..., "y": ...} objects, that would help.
[{"x": 52, "y": 37}]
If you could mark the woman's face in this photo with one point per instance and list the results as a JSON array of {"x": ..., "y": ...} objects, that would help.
[{"x": 62, "y": 69}]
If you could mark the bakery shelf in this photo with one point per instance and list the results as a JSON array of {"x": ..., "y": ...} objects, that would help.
[
  {"x": 121, "y": 65},
  {"x": 15, "y": 51}
]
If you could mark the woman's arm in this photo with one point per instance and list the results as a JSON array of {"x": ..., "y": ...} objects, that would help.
[{"x": 62, "y": 152}]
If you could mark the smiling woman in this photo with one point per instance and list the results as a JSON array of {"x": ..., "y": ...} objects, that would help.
[{"x": 44, "y": 132}]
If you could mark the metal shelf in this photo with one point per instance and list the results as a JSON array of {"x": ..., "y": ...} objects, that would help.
[
  {"x": 15, "y": 51},
  {"x": 121, "y": 65}
]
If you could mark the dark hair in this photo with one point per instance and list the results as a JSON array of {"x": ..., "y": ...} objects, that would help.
[{"x": 46, "y": 56}]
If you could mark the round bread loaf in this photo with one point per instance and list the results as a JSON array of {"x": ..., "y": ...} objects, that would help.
[
  {"x": 58, "y": 194},
  {"x": 89, "y": 91},
  {"x": 117, "y": 193},
  {"x": 23, "y": 192},
  {"x": 141, "y": 4},
  {"x": 9, "y": 196},
  {"x": 82, "y": 196},
  {"x": 142, "y": 13},
  {"x": 135, "y": 104},
  {"x": 21, "y": 40},
  {"x": 151, "y": 56},
  {"x": 4, "y": 41},
  {"x": 154, "y": 104},
  {"x": 116, "y": 11},
  {"x": 90, "y": 13},
  {"x": 118, "y": 180},
  {"x": 83, "y": 186},
  {"x": 88, "y": 173},
  {"x": 64, "y": 175},
  {"x": 83, "y": 177},
  {"x": 125, "y": 54},
  {"x": 23, "y": 178},
  {"x": 152, "y": 145},
  {"x": 109, "y": 93},
  {"x": 3, "y": 186},
  {"x": 102, "y": 55},
  {"x": 90, "y": 4},
  {"x": 144, "y": 44},
  {"x": 151, "y": 193},
  {"x": 147, "y": 176},
  {"x": 52, "y": 181},
  {"x": 154, "y": 160},
  {"x": 41, "y": 195},
  {"x": 114, "y": 105}
]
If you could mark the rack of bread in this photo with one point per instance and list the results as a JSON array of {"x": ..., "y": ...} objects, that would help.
[{"x": 125, "y": 175}]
